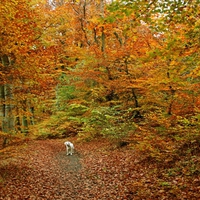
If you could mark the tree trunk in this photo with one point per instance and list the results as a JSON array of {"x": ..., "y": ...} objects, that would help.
[
  {"x": 171, "y": 97},
  {"x": 6, "y": 102},
  {"x": 8, "y": 118},
  {"x": 136, "y": 113}
]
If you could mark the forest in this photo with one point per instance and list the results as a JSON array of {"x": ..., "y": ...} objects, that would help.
[{"x": 118, "y": 78}]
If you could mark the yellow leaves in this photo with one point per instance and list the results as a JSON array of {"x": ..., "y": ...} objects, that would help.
[
  {"x": 132, "y": 57},
  {"x": 196, "y": 72},
  {"x": 7, "y": 9},
  {"x": 173, "y": 63}
]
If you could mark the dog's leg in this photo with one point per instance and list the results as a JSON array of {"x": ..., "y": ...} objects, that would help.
[
  {"x": 72, "y": 149},
  {"x": 67, "y": 149}
]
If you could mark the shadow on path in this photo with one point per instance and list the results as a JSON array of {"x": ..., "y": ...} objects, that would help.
[{"x": 69, "y": 163}]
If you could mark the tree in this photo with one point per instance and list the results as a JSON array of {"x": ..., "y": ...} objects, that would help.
[{"x": 25, "y": 62}]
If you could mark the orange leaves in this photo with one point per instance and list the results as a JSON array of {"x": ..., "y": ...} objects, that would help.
[
  {"x": 30, "y": 63},
  {"x": 124, "y": 47}
]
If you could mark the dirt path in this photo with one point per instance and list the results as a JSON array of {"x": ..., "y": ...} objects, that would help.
[{"x": 42, "y": 171}]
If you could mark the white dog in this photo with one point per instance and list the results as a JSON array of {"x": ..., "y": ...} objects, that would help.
[{"x": 69, "y": 148}]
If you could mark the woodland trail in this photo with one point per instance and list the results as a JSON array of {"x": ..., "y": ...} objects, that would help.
[{"x": 41, "y": 170}]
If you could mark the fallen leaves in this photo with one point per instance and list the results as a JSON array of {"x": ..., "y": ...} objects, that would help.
[{"x": 43, "y": 171}]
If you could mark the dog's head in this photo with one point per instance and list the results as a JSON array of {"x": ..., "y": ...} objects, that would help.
[{"x": 68, "y": 143}]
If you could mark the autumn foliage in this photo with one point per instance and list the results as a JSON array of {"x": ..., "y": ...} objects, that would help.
[{"x": 125, "y": 71}]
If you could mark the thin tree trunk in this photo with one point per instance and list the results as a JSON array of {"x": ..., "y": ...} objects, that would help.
[
  {"x": 6, "y": 102},
  {"x": 172, "y": 93},
  {"x": 136, "y": 113},
  {"x": 8, "y": 118}
]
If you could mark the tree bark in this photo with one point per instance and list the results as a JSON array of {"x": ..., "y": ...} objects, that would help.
[{"x": 6, "y": 102}]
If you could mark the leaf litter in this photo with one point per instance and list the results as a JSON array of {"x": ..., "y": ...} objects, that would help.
[{"x": 42, "y": 170}]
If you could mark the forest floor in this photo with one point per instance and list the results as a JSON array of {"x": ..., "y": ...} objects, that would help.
[{"x": 40, "y": 169}]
